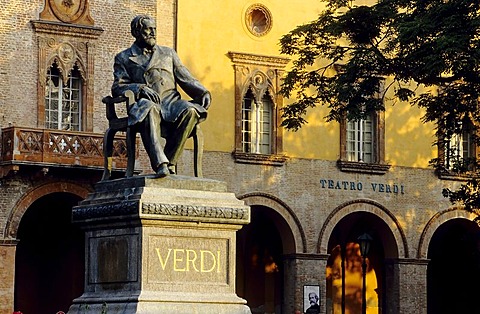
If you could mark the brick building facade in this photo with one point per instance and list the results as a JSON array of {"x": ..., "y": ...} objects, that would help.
[{"x": 309, "y": 202}]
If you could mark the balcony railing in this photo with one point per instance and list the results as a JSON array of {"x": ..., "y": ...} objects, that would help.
[{"x": 56, "y": 147}]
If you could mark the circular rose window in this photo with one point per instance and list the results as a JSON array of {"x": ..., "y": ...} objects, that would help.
[{"x": 258, "y": 19}]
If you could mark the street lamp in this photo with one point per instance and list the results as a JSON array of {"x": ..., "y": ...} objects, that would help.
[{"x": 364, "y": 241}]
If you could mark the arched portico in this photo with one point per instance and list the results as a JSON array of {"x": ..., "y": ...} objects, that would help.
[
  {"x": 451, "y": 243},
  {"x": 290, "y": 224},
  {"x": 435, "y": 222},
  {"x": 34, "y": 194},
  {"x": 338, "y": 239},
  {"x": 367, "y": 206},
  {"x": 262, "y": 245},
  {"x": 10, "y": 244}
]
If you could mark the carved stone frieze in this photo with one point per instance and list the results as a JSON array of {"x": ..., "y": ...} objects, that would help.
[
  {"x": 129, "y": 208},
  {"x": 259, "y": 72},
  {"x": 255, "y": 59},
  {"x": 195, "y": 211}
]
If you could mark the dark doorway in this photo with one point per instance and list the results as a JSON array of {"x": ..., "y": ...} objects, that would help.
[
  {"x": 259, "y": 262},
  {"x": 50, "y": 263},
  {"x": 454, "y": 268}
]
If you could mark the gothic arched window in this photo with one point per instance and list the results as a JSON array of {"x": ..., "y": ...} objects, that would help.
[{"x": 63, "y": 100}]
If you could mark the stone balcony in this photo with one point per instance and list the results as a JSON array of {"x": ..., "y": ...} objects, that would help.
[{"x": 45, "y": 148}]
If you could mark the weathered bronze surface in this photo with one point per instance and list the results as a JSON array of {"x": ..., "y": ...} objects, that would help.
[{"x": 152, "y": 73}]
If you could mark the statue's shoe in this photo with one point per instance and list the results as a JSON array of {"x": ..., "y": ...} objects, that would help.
[{"x": 163, "y": 171}]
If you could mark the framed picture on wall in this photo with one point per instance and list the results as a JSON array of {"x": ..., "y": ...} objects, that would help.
[{"x": 311, "y": 299}]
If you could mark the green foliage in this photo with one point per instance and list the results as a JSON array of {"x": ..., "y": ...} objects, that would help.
[
  {"x": 468, "y": 195},
  {"x": 419, "y": 42},
  {"x": 351, "y": 55}
]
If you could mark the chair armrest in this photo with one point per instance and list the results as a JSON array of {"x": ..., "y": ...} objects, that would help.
[{"x": 128, "y": 98}]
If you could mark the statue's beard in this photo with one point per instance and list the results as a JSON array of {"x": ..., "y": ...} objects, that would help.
[{"x": 149, "y": 41}]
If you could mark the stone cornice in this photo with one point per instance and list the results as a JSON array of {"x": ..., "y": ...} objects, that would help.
[
  {"x": 58, "y": 28},
  {"x": 248, "y": 58},
  {"x": 161, "y": 211}
]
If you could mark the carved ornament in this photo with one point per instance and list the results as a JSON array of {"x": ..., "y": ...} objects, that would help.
[
  {"x": 128, "y": 208},
  {"x": 67, "y": 11},
  {"x": 192, "y": 211}
]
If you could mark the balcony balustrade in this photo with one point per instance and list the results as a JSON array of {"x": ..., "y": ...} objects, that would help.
[{"x": 46, "y": 147}]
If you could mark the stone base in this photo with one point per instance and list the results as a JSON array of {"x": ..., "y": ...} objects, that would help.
[
  {"x": 157, "y": 306},
  {"x": 160, "y": 246}
]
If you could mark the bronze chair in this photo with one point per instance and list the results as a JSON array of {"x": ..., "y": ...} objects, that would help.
[{"x": 116, "y": 124}]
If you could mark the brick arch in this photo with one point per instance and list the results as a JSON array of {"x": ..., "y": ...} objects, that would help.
[
  {"x": 436, "y": 221},
  {"x": 34, "y": 194},
  {"x": 368, "y": 206},
  {"x": 263, "y": 199}
]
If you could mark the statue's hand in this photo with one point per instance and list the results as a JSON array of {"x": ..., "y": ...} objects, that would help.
[
  {"x": 206, "y": 100},
  {"x": 148, "y": 93}
]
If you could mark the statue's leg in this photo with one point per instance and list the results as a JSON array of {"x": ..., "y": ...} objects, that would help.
[
  {"x": 182, "y": 129},
  {"x": 150, "y": 132}
]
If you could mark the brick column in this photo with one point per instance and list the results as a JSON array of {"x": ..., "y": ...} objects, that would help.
[
  {"x": 7, "y": 274},
  {"x": 406, "y": 290},
  {"x": 300, "y": 270}
]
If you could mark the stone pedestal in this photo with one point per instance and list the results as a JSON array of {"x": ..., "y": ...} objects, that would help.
[{"x": 160, "y": 246}]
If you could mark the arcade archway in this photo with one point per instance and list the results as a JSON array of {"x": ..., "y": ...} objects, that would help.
[
  {"x": 49, "y": 266},
  {"x": 344, "y": 285},
  {"x": 259, "y": 260},
  {"x": 454, "y": 268}
]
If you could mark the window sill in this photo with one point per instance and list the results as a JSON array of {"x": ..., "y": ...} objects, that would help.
[
  {"x": 453, "y": 176},
  {"x": 259, "y": 159},
  {"x": 362, "y": 167}
]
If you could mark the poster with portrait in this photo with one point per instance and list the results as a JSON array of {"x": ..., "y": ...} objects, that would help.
[{"x": 311, "y": 299}]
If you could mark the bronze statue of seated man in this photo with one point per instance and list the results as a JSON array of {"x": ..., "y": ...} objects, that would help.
[{"x": 152, "y": 72}]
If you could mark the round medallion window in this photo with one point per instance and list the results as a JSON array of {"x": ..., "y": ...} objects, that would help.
[{"x": 258, "y": 20}]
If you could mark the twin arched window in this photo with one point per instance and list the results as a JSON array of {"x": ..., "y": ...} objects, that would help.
[
  {"x": 257, "y": 123},
  {"x": 63, "y": 99}
]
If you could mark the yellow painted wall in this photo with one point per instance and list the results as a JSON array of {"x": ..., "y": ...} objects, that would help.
[{"x": 209, "y": 29}]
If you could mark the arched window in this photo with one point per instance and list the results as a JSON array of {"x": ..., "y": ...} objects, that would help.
[
  {"x": 63, "y": 100},
  {"x": 257, "y": 124},
  {"x": 258, "y": 136}
]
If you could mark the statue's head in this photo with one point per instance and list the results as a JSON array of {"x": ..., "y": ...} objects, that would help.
[{"x": 143, "y": 28}]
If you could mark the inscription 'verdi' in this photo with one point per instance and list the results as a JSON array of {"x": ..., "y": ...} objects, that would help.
[{"x": 185, "y": 260}]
